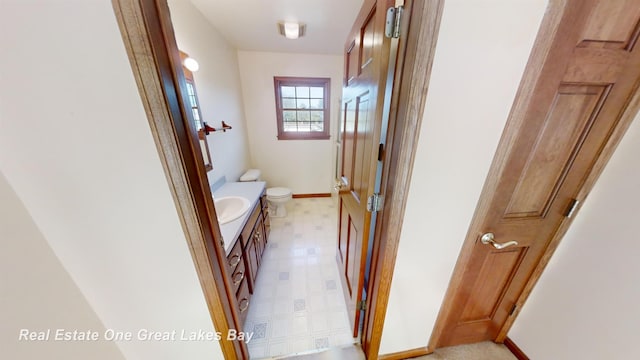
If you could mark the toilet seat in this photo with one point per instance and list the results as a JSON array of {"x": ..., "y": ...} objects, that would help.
[{"x": 278, "y": 192}]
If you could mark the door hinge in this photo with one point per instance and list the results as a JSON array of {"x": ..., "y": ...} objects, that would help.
[
  {"x": 392, "y": 24},
  {"x": 513, "y": 309},
  {"x": 362, "y": 305},
  {"x": 374, "y": 202},
  {"x": 572, "y": 208}
]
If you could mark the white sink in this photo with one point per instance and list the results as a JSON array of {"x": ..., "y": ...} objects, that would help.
[{"x": 229, "y": 208}]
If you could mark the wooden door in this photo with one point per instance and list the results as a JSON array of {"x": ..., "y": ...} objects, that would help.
[
  {"x": 585, "y": 69},
  {"x": 366, "y": 61}
]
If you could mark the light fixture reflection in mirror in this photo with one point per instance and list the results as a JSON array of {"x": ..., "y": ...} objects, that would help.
[{"x": 191, "y": 64}]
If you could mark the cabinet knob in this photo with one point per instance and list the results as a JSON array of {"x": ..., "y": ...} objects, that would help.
[
  {"x": 246, "y": 306},
  {"x": 234, "y": 260},
  {"x": 237, "y": 280}
]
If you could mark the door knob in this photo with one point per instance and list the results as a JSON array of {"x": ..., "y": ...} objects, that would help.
[
  {"x": 338, "y": 186},
  {"x": 489, "y": 239}
]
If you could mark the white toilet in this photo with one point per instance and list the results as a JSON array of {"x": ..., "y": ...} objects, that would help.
[{"x": 277, "y": 196}]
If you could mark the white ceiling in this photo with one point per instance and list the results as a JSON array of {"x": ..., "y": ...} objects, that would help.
[{"x": 252, "y": 24}]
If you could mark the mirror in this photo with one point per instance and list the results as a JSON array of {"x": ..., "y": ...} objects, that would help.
[{"x": 192, "y": 96}]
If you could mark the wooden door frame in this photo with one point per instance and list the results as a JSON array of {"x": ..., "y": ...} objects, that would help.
[
  {"x": 149, "y": 39},
  {"x": 150, "y": 43},
  {"x": 408, "y": 97},
  {"x": 544, "y": 44}
]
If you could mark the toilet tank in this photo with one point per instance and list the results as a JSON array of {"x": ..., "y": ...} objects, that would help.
[{"x": 250, "y": 175}]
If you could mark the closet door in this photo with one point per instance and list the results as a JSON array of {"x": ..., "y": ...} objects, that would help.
[{"x": 581, "y": 78}]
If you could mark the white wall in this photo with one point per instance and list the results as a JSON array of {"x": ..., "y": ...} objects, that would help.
[
  {"x": 38, "y": 293},
  {"x": 585, "y": 305},
  {"x": 218, "y": 87},
  {"x": 76, "y": 147},
  {"x": 304, "y": 166},
  {"x": 480, "y": 57}
]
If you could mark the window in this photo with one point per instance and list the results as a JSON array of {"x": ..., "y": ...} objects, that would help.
[
  {"x": 302, "y": 106},
  {"x": 192, "y": 102}
]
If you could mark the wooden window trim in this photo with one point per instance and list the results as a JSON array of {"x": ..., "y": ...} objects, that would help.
[{"x": 278, "y": 82}]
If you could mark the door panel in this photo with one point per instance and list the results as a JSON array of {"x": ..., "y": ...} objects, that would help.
[
  {"x": 343, "y": 235},
  {"x": 348, "y": 141},
  {"x": 366, "y": 58},
  {"x": 351, "y": 63},
  {"x": 368, "y": 41},
  {"x": 567, "y": 124},
  {"x": 545, "y": 156},
  {"x": 362, "y": 149},
  {"x": 496, "y": 271},
  {"x": 352, "y": 270},
  {"x": 618, "y": 33}
]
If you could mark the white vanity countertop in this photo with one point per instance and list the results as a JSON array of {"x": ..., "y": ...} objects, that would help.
[{"x": 250, "y": 190}]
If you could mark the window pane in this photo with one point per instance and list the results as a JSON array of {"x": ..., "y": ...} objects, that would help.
[
  {"x": 303, "y": 103},
  {"x": 288, "y": 91},
  {"x": 290, "y": 125},
  {"x": 317, "y": 92},
  {"x": 317, "y": 116},
  {"x": 302, "y": 92},
  {"x": 317, "y": 126},
  {"x": 317, "y": 104},
  {"x": 304, "y": 126},
  {"x": 304, "y": 116},
  {"x": 190, "y": 89},
  {"x": 192, "y": 101},
  {"x": 289, "y": 103},
  {"x": 196, "y": 118},
  {"x": 289, "y": 116}
]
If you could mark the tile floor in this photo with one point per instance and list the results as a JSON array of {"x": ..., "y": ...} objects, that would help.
[{"x": 298, "y": 304}]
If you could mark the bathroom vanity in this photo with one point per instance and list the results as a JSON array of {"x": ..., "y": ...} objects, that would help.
[{"x": 245, "y": 239}]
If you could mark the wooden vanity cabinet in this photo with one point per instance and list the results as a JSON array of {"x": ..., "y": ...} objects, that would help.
[
  {"x": 247, "y": 231},
  {"x": 252, "y": 261},
  {"x": 236, "y": 265},
  {"x": 243, "y": 297},
  {"x": 254, "y": 251},
  {"x": 258, "y": 241},
  {"x": 265, "y": 216},
  {"x": 245, "y": 257},
  {"x": 238, "y": 278}
]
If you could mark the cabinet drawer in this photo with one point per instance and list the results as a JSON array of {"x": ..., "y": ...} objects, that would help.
[
  {"x": 235, "y": 257},
  {"x": 248, "y": 228},
  {"x": 243, "y": 297},
  {"x": 263, "y": 201},
  {"x": 265, "y": 217},
  {"x": 238, "y": 276}
]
